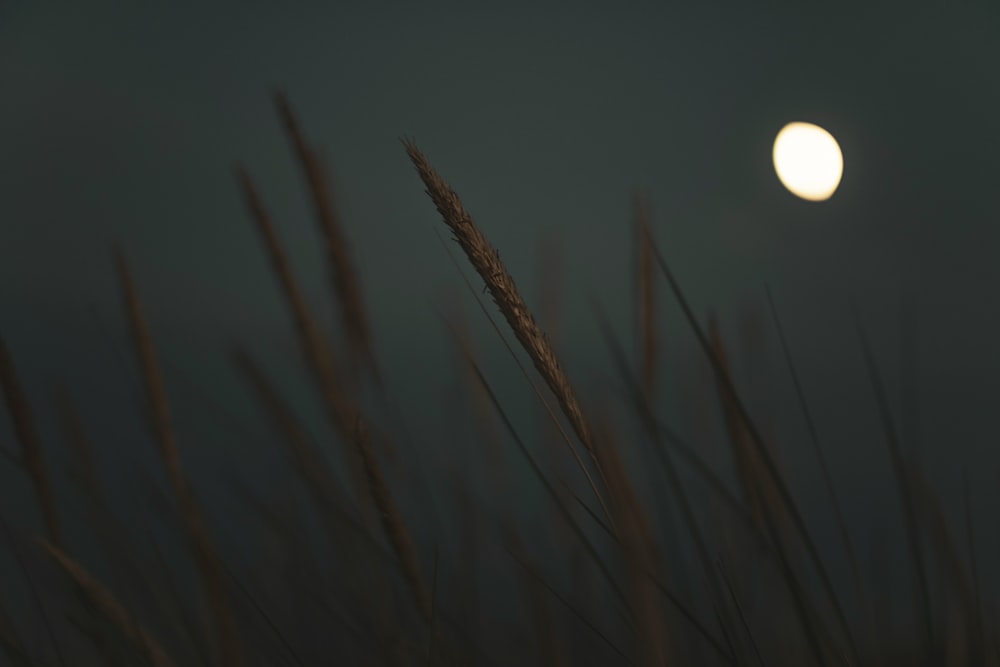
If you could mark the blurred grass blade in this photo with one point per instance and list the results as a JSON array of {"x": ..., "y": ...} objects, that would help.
[
  {"x": 108, "y": 605},
  {"x": 769, "y": 464},
  {"x": 903, "y": 484},
  {"x": 342, "y": 270},
  {"x": 831, "y": 488},
  {"x": 572, "y": 609},
  {"x": 32, "y": 457},
  {"x": 206, "y": 560}
]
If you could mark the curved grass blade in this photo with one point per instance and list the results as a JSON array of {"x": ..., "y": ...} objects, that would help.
[
  {"x": 265, "y": 616},
  {"x": 573, "y": 610},
  {"x": 772, "y": 469},
  {"x": 42, "y": 613},
  {"x": 32, "y": 458},
  {"x": 205, "y": 556},
  {"x": 821, "y": 457},
  {"x": 903, "y": 484}
]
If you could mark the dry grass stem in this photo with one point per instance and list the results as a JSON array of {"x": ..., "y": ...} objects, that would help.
[
  {"x": 108, "y": 531},
  {"x": 32, "y": 457},
  {"x": 106, "y": 602},
  {"x": 485, "y": 259},
  {"x": 11, "y": 644},
  {"x": 904, "y": 485},
  {"x": 392, "y": 522},
  {"x": 645, "y": 298},
  {"x": 666, "y": 563},
  {"x": 317, "y": 353},
  {"x": 640, "y": 554},
  {"x": 85, "y": 466},
  {"x": 497, "y": 462},
  {"x": 343, "y": 273},
  {"x": 370, "y": 484},
  {"x": 751, "y": 472},
  {"x": 538, "y": 394},
  {"x": 206, "y": 560},
  {"x": 350, "y": 536},
  {"x": 949, "y": 557},
  {"x": 306, "y": 459},
  {"x": 550, "y": 287}
]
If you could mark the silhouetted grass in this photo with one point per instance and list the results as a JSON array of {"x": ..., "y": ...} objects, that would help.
[{"x": 423, "y": 565}]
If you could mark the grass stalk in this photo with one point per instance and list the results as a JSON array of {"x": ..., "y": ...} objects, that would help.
[
  {"x": 637, "y": 547},
  {"x": 486, "y": 261},
  {"x": 32, "y": 456},
  {"x": 316, "y": 352},
  {"x": 103, "y": 600},
  {"x": 342, "y": 271},
  {"x": 761, "y": 450},
  {"x": 831, "y": 488},
  {"x": 538, "y": 394},
  {"x": 906, "y": 494},
  {"x": 204, "y": 553}
]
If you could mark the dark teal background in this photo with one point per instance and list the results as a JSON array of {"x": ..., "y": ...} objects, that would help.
[{"x": 123, "y": 124}]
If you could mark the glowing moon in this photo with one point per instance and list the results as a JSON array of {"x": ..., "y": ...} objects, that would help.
[{"x": 808, "y": 161}]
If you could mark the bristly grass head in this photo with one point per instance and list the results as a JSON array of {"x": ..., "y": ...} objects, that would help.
[{"x": 500, "y": 284}]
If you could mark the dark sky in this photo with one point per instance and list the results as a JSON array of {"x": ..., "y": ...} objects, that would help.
[{"x": 123, "y": 125}]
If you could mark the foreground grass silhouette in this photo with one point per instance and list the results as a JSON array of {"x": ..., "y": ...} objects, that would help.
[{"x": 355, "y": 582}]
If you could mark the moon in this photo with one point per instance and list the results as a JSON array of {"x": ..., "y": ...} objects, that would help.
[{"x": 808, "y": 161}]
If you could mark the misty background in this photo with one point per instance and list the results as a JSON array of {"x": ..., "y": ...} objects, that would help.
[{"x": 123, "y": 125}]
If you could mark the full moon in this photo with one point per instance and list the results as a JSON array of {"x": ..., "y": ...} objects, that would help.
[{"x": 808, "y": 161}]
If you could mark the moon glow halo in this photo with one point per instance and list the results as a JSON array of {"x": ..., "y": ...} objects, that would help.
[{"x": 808, "y": 161}]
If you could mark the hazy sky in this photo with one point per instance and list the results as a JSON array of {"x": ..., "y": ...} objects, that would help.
[{"x": 125, "y": 124}]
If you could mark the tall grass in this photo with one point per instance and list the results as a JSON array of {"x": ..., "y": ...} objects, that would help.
[{"x": 362, "y": 578}]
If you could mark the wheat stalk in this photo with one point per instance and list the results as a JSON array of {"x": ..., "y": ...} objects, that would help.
[{"x": 486, "y": 261}]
